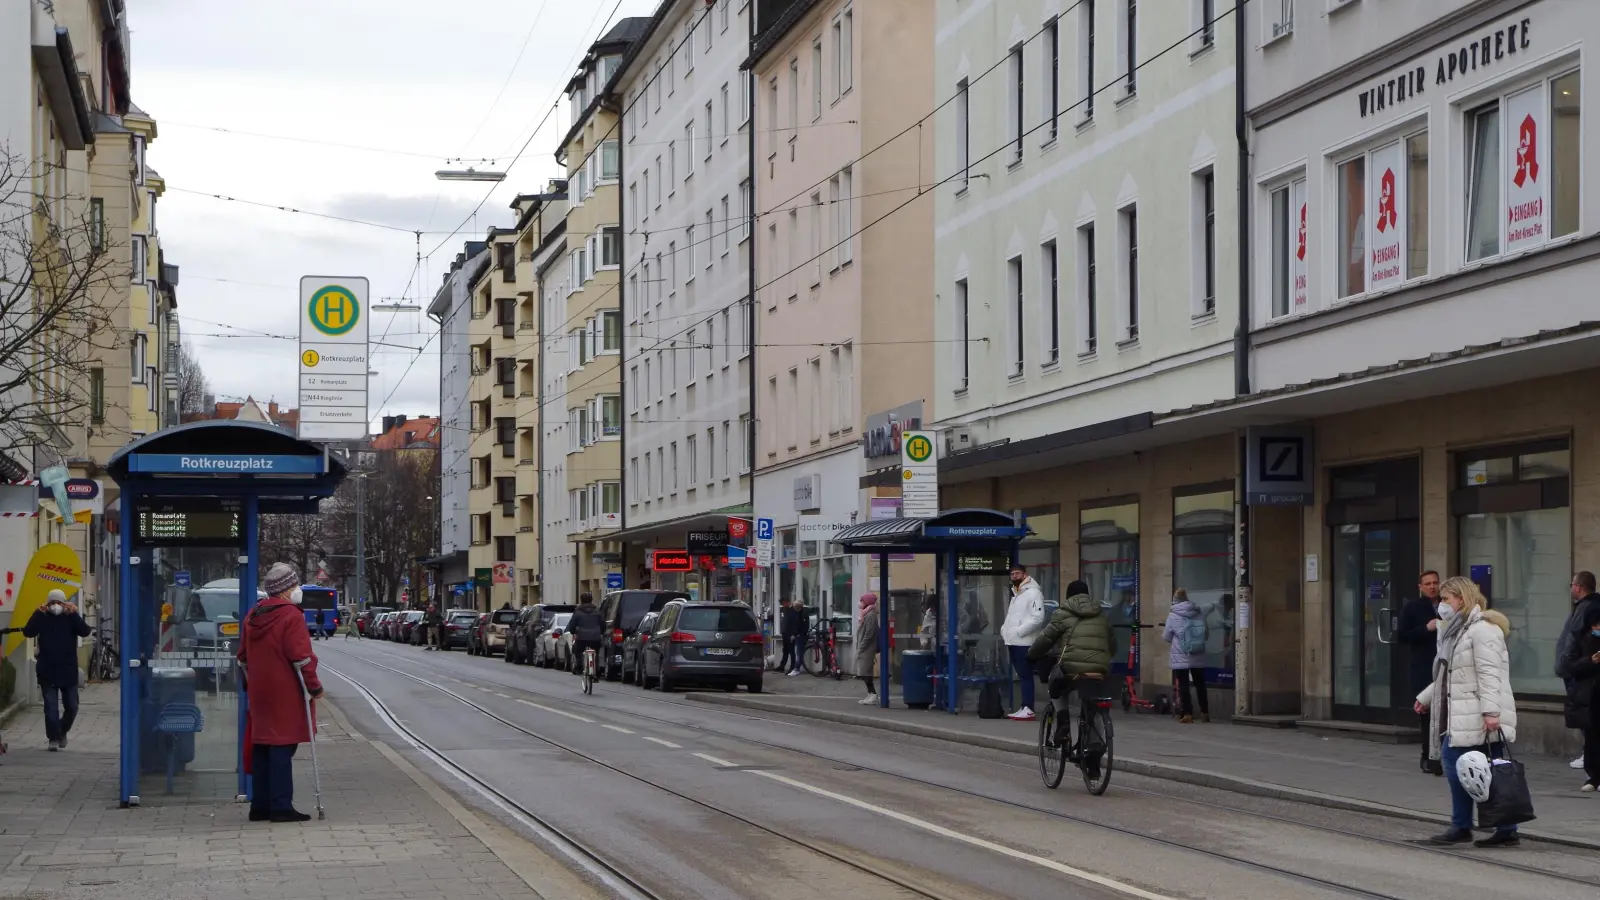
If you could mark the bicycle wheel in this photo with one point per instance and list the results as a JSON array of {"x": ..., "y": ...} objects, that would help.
[
  {"x": 1097, "y": 776},
  {"x": 1052, "y": 759},
  {"x": 812, "y": 659}
]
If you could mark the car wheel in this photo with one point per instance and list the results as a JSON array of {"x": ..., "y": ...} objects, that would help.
[
  {"x": 628, "y": 676},
  {"x": 754, "y": 685},
  {"x": 666, "y": 683}
]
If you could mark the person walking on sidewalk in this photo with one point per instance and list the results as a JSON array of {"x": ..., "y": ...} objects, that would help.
[
  {"x": 866, "y": 645},
  {"x": 792, "y": 622},
  {"x": 1583, "y": 597},
  {"x": 1581, "y": 669},
  {"x": 1075, "y": 648},
  {"x": 1186, "y": 633},
  {"x": 432, "y": 628},
  {"x": 1024, "y": 619},
  {"x": 57, "y": 626},
  {"x": 1470, "y": 699},
  {"x": 273, "y": 645},
  {"x": 1419, "y": 632}
]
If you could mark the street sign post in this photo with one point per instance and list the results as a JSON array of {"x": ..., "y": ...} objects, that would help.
[
  {"x": 181, "y": 579},
  {"x": 919, "y": 474},
  {"x": 763, "y": 542},
  {"x": 334, "y": 360},
  {"x": 613, "y": 581}
]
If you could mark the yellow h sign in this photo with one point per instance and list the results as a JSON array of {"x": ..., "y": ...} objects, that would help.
[{"x": 334, "y": 310}]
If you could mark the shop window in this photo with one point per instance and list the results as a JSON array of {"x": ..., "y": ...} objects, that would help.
[
  {"x": 1108, "y": 560},
  {"x": 1514, "y": 529},
  {"x": 1289, "y": 249},
  {"x": 1203, "y": 565},
  {"x": 1523, "y": 168},
  {"x": 1376, "y": 208}
]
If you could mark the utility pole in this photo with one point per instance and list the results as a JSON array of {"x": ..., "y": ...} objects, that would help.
[{"x": 361, "y": 547}]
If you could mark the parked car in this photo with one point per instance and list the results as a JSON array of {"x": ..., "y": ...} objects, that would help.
[
  {"x": 456, "y": 628},
  {"x": 621, "y": 612},
  {"x": 531, "y": 623},
  {"x": 547, "y": 647},
  {"x": 385, "y": 625},
  {"x": 475, "y": 635},
  {"x": 704, "y": 643},
  {"x": 518, "y": 645},
  {"x": 368, "y": 618},
  {"x": 406, "y": 630},
  {"x": 634, "y": 643},
  {"x": 494, "y": 633}
]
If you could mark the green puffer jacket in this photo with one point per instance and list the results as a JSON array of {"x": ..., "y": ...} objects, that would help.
[{"x": 1078, "y": 635}]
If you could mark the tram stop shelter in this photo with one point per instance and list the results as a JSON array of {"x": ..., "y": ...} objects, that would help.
[
  {"x": 970, "y": 544},
  {"x": 191, "y": 499}
]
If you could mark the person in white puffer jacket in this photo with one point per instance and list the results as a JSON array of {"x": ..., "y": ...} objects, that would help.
[
  {"x": 1470, "y": 701},
  {"x": 1024, "y": 620}
]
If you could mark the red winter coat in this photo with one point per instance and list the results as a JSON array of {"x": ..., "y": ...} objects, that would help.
[{"x": 274, "y": 638}]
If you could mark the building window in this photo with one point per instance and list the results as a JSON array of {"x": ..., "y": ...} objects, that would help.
[
  {"x": 690, "y": 447},
  {"x": 1208, "y": 21},
  {"x": 814, "y": 379},
  {"x": 688, "y": 151},
  {"x": 1014, "y": 317},
  {"x": 1049, "y": 277},
  {"x": 1352, "y": 236},
  {"x": 711, "y": 454},
  {"x": 610, "y": 160},
  {"x": 746, "y": 209},
  {"x": 1380, "y": 208},
  {"x": 747, "y": 432},
  {"x": 1086, "y": 59},
  {"x": 1417, "y": 205},
  {"x": 708, "y": 132},
  {"x": 727, "y": 225},
  {"x": 1205, "y": 245},
  {"x": 846, "y": 226},
  {"x": 505, "y": 549},
  {"x": 1014, "y": 126},
  {"x": 610, "y": 247},
  {"x": 963, "y": 134},
  {"x": 97, "y": 395},
  {"x": 814, "y": 214},
  {"x": 140, "y": 263},
  {"x": 97, "y": 224},
  {"x": 1088, "y": 291},
  {"x": 1130, "y": 261},
  {"x": 727, "y": 116},
  {"x": 610, "y": 331},
  {"x": 794, "y": 97},
  {"x": 1523, "y": 168},
  {"x": 1277, "y": 19},
  {"x": 1052, "y": 78},
  {"x": 843, "y": 39},
  {"x": 1203, "y": 565},
  {"x": 1513, "y": 520},
  {"x": 963, "y": 336},
  {"x": 816, "y": 78},
  {"x": 1130, "y": 46},
  {"x": 1289, "y": 248}
]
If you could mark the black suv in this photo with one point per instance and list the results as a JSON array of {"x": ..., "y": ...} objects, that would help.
[
  {"x": 531, "y": 622},
  {"x": 621, "y": 612},
  {"x": 715, "y": 643}
]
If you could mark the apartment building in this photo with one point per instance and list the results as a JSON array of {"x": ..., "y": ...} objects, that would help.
[
  {"x": 839, "y": 88},
  {"x": 451, "y": 310},
  {"x": 541, "y": 229},
  {"x": 588, "y": 313},
  {"x": 686, "y": 241},
  {"x": 1422, "y": 313},
  {"x": 1086, "y": 197},
  {"x": 492, "y": 416}
]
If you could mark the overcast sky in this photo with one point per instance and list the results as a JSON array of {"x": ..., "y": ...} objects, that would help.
[{"x": 418, "y": 76}]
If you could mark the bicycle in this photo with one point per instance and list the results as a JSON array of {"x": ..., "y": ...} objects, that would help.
[
  {"x": 1096, "y": 768},
  {"x": 821, "y": 658},
  {"x": 589, "y": 668},
  {"x": 104, "y": 663}
]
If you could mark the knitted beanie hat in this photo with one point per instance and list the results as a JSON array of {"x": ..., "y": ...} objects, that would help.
[{"x": 280, "y": 579}]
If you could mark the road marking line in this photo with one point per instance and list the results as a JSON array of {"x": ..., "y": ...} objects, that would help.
[
  {"x": 559, "y": 712},
  {"x": 980, "y": 843},
  {"x": 502, "y": 696},
  {"x": 713, "y": 760},
  {"x": 656, "y": 740},
  {"x": 615, "y": 728}
]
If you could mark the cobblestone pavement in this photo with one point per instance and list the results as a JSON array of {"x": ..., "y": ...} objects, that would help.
[{"x": 63, "y": 835}]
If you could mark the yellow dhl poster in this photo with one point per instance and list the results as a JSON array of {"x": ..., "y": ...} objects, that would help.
[{"x": 54, "y": 567}]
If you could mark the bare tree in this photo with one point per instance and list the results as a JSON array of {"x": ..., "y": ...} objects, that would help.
[
  {"x": 59, "y": 284},
  {"x": 398, "y": 526},
  {"x": 192, "y": 385},
  {"x": 296, "y": 539}
]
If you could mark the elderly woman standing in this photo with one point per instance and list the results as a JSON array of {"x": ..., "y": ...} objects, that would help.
[
  {"x": 1470, "y": 702},
  {"x": 866, "y": 646}
]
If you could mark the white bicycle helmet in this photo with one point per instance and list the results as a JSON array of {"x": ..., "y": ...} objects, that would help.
[{"x": 1472, "y": 770}]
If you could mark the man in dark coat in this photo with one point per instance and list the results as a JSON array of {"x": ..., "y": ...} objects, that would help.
[
  {"x": 274, "y": 645},
  {"x": 1418, "y": 631},
  {"x": 792, "y": 623},
  {"x": 57, "y": 625}
]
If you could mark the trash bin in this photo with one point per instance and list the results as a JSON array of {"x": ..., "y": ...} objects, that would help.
[
  {"x": 916, "y": 681},
  {"x": 166, "y": 686}
]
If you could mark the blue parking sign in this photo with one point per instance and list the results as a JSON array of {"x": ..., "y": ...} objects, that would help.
[
  {"x": 613, "y": 581},
  {"x": 763, "y": 529}
]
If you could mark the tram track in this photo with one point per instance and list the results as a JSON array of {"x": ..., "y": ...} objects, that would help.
[{"x": 1497, "y": 861}]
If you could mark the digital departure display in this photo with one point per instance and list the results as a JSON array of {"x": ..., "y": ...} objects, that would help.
[{"x": 197, "y": 523}]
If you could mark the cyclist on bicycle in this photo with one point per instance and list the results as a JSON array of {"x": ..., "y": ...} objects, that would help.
[
  {"x": 1078, "y": 638},
  {"x": 588, "y": 631}
]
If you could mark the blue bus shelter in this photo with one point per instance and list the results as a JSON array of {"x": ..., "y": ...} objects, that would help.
[
  {"x": 191, "y": 499},
  {"x": 971, "y": 540}
]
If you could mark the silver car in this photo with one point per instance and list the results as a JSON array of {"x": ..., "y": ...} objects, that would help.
[{"x": 704, "y": 643}]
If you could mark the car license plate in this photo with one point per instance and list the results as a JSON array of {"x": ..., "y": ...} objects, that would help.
[
  {"x": 719, "y": 651},
  {"x": 230, "y": 628}
]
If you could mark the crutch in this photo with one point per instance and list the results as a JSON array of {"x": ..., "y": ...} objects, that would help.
[{"x": 316, "y": 775}]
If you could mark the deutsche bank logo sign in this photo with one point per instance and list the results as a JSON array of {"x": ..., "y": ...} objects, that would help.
[{"x": 1280, "y": 468}]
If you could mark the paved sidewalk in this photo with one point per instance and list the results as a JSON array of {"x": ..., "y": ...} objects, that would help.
[
  {"x": 1285, "y": 764},
  {"x": 390, "y": 833}
]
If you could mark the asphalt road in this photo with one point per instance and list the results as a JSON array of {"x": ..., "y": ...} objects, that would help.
[{"x": 697, "y": 801}]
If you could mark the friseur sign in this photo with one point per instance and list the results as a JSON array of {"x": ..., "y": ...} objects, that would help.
[{"x": 881, "y": 444}]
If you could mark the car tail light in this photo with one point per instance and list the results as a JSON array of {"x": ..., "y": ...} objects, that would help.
[
  {"x": 682, "y": 637},
  {"x": 753, "y": 639},
  {"x": 616, "y": 635}
]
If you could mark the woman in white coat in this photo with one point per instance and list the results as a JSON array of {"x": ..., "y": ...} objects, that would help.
[{"x": 1470, "y": 704}]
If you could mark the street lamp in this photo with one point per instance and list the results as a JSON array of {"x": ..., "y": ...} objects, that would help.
[{"x": 468, "y": 174}]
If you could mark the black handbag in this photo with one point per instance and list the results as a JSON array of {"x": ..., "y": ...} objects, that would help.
[
  {"x": 1510, "y": 802},
  {"x": 989, "y": 705}
]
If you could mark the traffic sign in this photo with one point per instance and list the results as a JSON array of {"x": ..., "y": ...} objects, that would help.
[
  {"x": 919, "y": 475},
  {"x": 181, "y": 579},
  {"x": 763, "y": 542},
  {"x": 763, "y": 529},
  {"x": 334, "y": 333},
  {"x": 613, "y": 581}
]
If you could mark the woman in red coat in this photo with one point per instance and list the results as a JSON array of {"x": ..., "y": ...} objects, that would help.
[{"x": 273, "y": 645}]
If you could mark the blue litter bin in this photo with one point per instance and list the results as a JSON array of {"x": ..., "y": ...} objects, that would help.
[
  {"x": 166, "y": 688},
  {"x": 916, "y": 678}
]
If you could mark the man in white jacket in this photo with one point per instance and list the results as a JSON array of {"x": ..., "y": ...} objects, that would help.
[{"x": 1024, "y": 618}]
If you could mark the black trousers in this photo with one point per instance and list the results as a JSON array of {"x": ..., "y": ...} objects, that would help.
[
  {"x": 272, "y": 777},
  {"x": 1591, "y": 754},
  {"x": 1196, "y": 677},
  {"x": 788, "y": 654}
]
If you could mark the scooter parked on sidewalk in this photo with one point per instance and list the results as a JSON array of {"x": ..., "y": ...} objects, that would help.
[{"x": 1131, "y": 700}]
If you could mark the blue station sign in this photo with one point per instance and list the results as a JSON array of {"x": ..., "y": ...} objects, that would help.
[
  {"x": 975, "y": 531},
  {"x": 224, "y": 464}
]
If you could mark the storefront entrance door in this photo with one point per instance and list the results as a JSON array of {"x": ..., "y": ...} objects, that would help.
[{"x": 1374, "y": 565}]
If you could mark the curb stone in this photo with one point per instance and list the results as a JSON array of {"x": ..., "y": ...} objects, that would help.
[{"x": 1182, "y": 774}]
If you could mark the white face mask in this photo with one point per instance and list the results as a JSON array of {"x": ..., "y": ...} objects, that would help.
[
  {"x": 1446, "y": 611},
  {"x": 295, "y": 596},
  {"x": 56, "y": 609}
]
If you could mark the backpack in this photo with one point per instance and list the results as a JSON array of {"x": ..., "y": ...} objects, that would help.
[
  {"x": 1192, "y": 639},
  {"x": 989, "y": 705}
]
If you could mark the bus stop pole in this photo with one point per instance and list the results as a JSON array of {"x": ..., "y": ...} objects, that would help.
[
  {"x": 951, "y": 585},
  {"x": 129, "y": 604},
  {"x": 249, "y": 566},
  {"x": 884, "y": 623}
]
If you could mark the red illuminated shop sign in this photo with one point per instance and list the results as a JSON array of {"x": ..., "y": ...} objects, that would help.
[{"x": 671, "y": 561}]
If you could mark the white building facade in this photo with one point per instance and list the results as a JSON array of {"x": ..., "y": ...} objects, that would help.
[
  {"x": 1086, "y": 278},
  {"x": 1424, "y": 249},
  {"x": 686, "y": 280},
  {"x": 558, "y": 578},
  {"x": 451, "y": 308}
]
